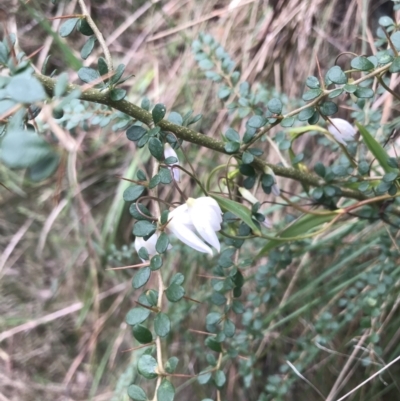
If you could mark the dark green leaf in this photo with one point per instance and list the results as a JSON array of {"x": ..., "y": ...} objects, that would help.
[
  {"x": 395, "y": 38},
  {"x": 44, "y": 168},
  {"x": 247, "y": 158},
  {"x": 141, "y": 277},
  {"x": 287, "y": 122},
  {"x": 319, "y": 168},
  {"x": 158, "y": 112},
  {"x": 147, "y": 367},
  {"x": 305, "y": 114},
  {"x": 166, "y": 391},
  {"x": 156, "y": 148},
  {"x": 102, "y": 66},
  {"x": 156, "y": 262},
  {"x": 311, "y": 94},
  {"x": 162, "y": 324},
  {"x": 142, "y": 334},
  {"x": 175, "y": 292},
  {"x": 312, "y": 82},
  {"x": 256, "y": 122},
  {"x": 249, "y": 134},
  {"x": 171, "y": 364},
  {"x": 395, "y": 67},
  {"x": 133, "y": 192},
  {"x": 135, "y": 132},
  {"x": 136, "y": 393},
  {"x": 117, "y": 94},
  {"x": 143, "y": 253},
  {"x": 212, "y": 344},
  {"x": 88, "y": 75},
  {"x": 117, "y": 74},
  {"x": 275, "y": 106},
  {"x": 350, "y": 88},
  {"x": 68, "y": 26},
  {"x": 313, "y": 120},
  {"x": 154, "y": 181},
  {"x": 162, "y": 243},
  {"x": 178, "y": 279},
  {"x": 84, "y": 28},
  {"x": 23, "y": 148},
  {"x": 232, "y": 135},
  {"x": 24, "y": 89},
  {"x": 335, "y": 93},
  {"x": 219, "y": 378},
  {"x": 390, "y": 177},
  {"x": 328, "y": 108},
  {"x": 165, "y": 175},
  {"x": 336, "y": 75},
  {"x": 231, "y": 147},
  {"x": 137, "y": 315},
  {"x": 361, "y": 63},
  {"x": 133, "y": 210},
  {"x": 88, "y": 47},
  {"x": 213, "y": 318},
  {"x": 364, "y": 93}
]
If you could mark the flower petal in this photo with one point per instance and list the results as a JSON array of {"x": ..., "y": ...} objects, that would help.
[
  {"x": 341, "y": 130},
  {"x": 149, "y": 245},
  {"x": 205, "y": 229},
  {"x": 170, "y": 152}
]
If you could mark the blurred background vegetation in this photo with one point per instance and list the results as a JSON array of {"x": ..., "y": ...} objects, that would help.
[{"x": 328, "y": 305}]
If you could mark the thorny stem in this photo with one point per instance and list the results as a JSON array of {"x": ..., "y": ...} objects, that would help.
[{"x": 98, "y": 35}]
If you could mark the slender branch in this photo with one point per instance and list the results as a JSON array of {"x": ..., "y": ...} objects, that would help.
[
  {"x": 98, "y": 35},
  {"x": 189, "y": 135}
]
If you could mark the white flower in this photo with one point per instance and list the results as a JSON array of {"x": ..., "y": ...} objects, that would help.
[
  {"x": 202, "y": 215},
  {"x": 149, "y": 245},
  {"x": 169, "y": 152},
  {"x": 341, "y": 130}
]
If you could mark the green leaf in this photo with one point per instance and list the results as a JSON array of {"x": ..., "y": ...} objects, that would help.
[
  {"x": 175, "y": 118},
  {"x": 162, "y": 243},
  {"x": 162, "y": 324},
  {"x": 147, "y": 367},
  {"x": 305, "y": 114},
  {"x": 275, "y": 106},
  {"x": 395, "y": 38},
  {"x": 224, "y": 92},
  {"x": 247, "y": 158},
  {"x": 166, "y": 391},
  {"x": 376, "y": 149},
  {"x": 328, "y": 108},
  {"x": 287, "y": 122},
  {"x": 133, "y": 192},
  {"x": 311, "y": 94},
  {"x": 214, "y": 345},
  {"x": 137, "y": 315},
  {"x": 68, "y": 26},
  {"x": 133, "y": 210},
  {"x": 232, "y": 135},
  {"x": 23, "y": 148},
  {"x": 102, "y": 66},
  {"x": 141, "y": 277},
  {"x": 25, "y": 89},
  {"x": 364, "y": 93},
  {"x": 312, "y": 120},
  {"x": 238, "y": 210},
  {"x": 88, "y": 47},
  {"x": 117, "y": 74},
  {"x": 177, "y": 278},
  {"x": 171, "y": 364},
  {"x": 142, "y": 334},
  {"x": 219, "y": 378},
  {"x": 229, "y": 328},
  {"x": 231, "y": 147},
  {"x": 336, "y": 75},
  {"x": 256, "y": 122},
  {"x": 156, "y": 262},
  {"x": 335, "y": 93},
  {"x": 156, "y": 148},
  {"x": 213, "y": 318},
  {"x": 143, "y": 254},
  {"x": 117, "y": 94},
  {"x": 361, "y": 63},
  {"x": 165, "y": 175},
  {"x": 135, "y": 132},
  {"x": 88, "y": 75},
  {"x": 301, "y": 226},
  {"x": 349, "y": 88},
  {"x": 395, "y": 67},
  {"x": 158, "y": 112},
  {"x": 312, "y": 82},
  {"x": 385, "y": 21},
  {"x": 390, "y": 177},
  {"x": 204, "y": 377},
  {"x": 175, "y": 293},
  {"x": 136, "y": 393},
  {"x": 61, "y": 85},
  {"x": 84, "y": 28},
  {"x": 44, "y": 168}
]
